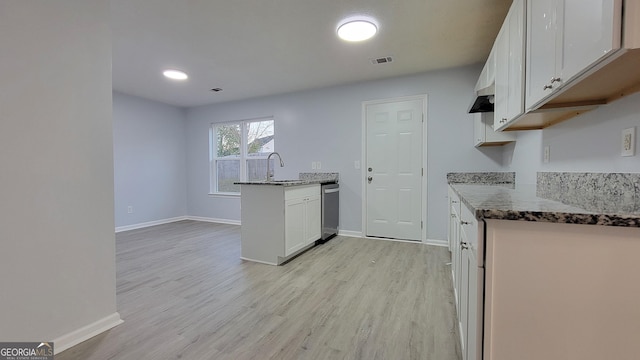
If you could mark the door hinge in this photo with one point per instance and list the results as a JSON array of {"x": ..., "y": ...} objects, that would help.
[
  {"x": 422, "y": 117},
  {"x": 422, "y": 171},
  {"x": 421, "y": 224}
]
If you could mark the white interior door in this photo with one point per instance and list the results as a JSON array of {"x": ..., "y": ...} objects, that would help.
[{"x": 394, "y": 132}]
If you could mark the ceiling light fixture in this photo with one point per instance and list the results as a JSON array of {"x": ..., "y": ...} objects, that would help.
[
  {"x": 175, "y": 74},
  {"x": 357, "y": 29}
]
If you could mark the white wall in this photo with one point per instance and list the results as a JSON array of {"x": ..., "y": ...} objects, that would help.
[
  {"x": 590, "y": 142},
  {"x": 149, "y": 160},
  {"x": 57, "y": 262},
  {"x": 325, "y": 125}
]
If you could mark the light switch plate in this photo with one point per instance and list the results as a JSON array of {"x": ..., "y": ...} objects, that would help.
[
  {"x": 319, "y": 165},
  {"x": 628, "y": 142},
  {"x": 356, "y": 164},
  {"x": 313, "y": 165}
]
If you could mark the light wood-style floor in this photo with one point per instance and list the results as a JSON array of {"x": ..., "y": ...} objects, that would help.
[{"x": 184, "y": 293}]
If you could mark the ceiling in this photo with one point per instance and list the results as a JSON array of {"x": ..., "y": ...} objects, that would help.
[{"x": 253, "y": 48}]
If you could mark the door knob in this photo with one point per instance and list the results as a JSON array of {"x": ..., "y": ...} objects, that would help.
[
  {"x": 547, "y": 87},
  {"x": 370, "y": 169},
  {"x": 369, "y": 179}
]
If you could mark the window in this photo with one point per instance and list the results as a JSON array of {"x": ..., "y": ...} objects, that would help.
[{"x": 239, "y": 152}]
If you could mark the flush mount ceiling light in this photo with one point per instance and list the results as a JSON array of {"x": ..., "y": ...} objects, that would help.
[
  {"x": 175, "y": 74},
  {"x": 357, "y": 29}
]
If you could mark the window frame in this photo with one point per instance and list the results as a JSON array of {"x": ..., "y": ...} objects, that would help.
[{"x": 243, "y": 158}]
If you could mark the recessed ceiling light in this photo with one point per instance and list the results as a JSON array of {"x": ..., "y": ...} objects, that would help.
[
  {"x": 175, "y": 74},
  {"x": 357, "y": 29}
]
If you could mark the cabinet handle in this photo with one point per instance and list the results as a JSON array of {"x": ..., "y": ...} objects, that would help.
[
  {"x": 504, "y": 120},
  {"x": 454, "y": 202},
  {"x": 464, "y": 246},
  {"x": 464, "y": 223},
  {"x": 555, "y": 79}
]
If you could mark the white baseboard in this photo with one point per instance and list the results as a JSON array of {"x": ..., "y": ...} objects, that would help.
[
  {"x": 434, "y": 242},
  {"x": 258, "y": 261},
  {"x": 179, "y": 218},
  {"x": 86, "y": 332},
  {"x": 150, "y": 223},
  {"x": 359, "y": 234},
  {"x": 350, "y": 233},
  {"x": 214, "y": 220}
]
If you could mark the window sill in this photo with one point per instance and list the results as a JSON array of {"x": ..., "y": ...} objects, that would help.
[{"x": 224, "y": 195}]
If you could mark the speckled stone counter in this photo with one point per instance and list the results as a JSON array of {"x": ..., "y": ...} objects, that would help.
[
  {"x": 509, "y": 202},
  {"x": 304, "y": 179},
  {"x": 481, "y": 178},
  {"x": 327, "y": 177}
]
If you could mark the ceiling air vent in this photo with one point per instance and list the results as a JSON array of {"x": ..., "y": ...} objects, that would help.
[{"x": 382, "y": 60}]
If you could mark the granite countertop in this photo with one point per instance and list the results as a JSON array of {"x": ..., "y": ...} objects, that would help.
[
  {"x": 521, "y": 202},
  {"x": 287, "y": 182},
  {"x": 303, "y": 179}
]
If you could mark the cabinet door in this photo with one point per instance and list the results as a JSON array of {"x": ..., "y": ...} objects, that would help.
[
  {"x": 456, "y": 257},
  {"x": 478, "y": 130},
  {"x": 590, "y": 31},
  {"x": 541, "y": 49},
  {"x": 294, "y": 219},
  {"x": 313, "y": 216},
  {"x": 475, "y": 305},
  {"x": 502, "y": 76},
  {"x": 463, "y": 315},
  {"x": 515, "y": 99}
]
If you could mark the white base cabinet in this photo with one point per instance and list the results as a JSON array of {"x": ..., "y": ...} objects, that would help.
[
  {"x": 531, "y": 290},
  {"x": 468, "y": 276},
  {"x": 279, "y": 222},
  {"x": 301, "y": 218}
]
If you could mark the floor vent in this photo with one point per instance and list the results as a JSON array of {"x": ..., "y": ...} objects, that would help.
[{"x": 382, "y": 60}]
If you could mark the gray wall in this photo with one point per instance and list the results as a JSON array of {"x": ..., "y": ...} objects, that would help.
[
  {"x": 325, "y": 125},
  {"x": 149, "y": 160},
  {"x": 590, "y": 142},
  {"x": 57, "y": 263}
]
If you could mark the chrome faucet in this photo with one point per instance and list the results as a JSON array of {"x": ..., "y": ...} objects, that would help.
[{"x": 269, "y": 171}]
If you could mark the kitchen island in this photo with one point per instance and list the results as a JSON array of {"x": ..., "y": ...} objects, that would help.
[{"x": 280, "y": 218}]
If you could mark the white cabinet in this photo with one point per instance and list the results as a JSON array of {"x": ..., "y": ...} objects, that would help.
[
  {"x": 302, "y": 220},
  {"x": 565, "y": 38},
  {"x": 279, "y": 222},
  {"x": 485, "y": 135},
  {"x": 468, "y": 275},
  {"x": 509, "y": 52},
  {"x": 488, "y": 75},
  {"x": 454, "y": 244}
]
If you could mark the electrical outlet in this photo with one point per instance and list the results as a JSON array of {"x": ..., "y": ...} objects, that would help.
[
  {"x": 319, "y": 165},
  {"x": 313, "y": 165},
  {"x": 129, "y": 209},
  {"x": 547, "y": 154},
  {"x": 628, "y": 142}
]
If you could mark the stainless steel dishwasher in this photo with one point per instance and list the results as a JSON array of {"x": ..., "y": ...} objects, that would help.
[{"x": 330, "y": 211}]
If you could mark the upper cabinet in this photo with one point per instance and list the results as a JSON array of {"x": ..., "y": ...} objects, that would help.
[
  {"x": 556, "y": 59},
  {"x": 509, "y": 57},
  {"x": 566, "y": 38}
]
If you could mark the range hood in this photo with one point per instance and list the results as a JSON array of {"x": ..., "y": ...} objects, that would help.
[{"x": 484, "y": 100}]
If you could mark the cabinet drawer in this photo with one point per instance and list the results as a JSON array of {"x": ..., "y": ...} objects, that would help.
[
  {"x": 474, "y": 231},
  {"x": 296, "y": 192}
]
